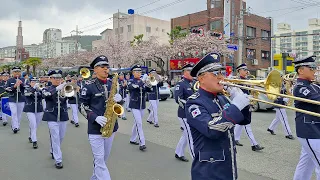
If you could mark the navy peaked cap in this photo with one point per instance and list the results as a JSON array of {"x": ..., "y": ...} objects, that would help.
[
  {"x": 208, "y": 63},
  {"x": 100, "y": 60}
]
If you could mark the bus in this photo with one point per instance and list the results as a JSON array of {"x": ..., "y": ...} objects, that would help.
[{"x": 278, "y": 63}]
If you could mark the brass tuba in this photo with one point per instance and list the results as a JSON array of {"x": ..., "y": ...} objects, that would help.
[
  {"x": 85, "y": 73},
  {"x": 113, "y": 109}
]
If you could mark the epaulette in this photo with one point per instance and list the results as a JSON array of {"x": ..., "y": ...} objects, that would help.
[
  {"x": 194, "y": 96},
  {"x": 181, "y": 80}
]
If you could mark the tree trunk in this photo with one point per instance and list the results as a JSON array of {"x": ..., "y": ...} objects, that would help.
[
  {"x": 28, "y": 69},
  {"x": 160, "y": 63},
  {"x": 34, "y": 71}
]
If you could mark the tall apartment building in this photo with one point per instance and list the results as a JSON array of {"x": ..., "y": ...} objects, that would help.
[
  {"x": 256, "y": 49},
  {"x": 299, "y": 43}
]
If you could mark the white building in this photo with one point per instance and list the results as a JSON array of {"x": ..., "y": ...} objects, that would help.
[
  {"x": 298, "y": 42},
  {"x": 8, "y": 52},
  {"x": 32, "y": 49},
  {"x": 52, "y": 34},
  {"x": 56, "y": 48}
]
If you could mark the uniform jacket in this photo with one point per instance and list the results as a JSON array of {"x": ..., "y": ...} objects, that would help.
[
  {"x": 12, "y": 92},
  {"x": 154, "y": 92},
  {"x": 280, "y": 100},
  {"x": 33, "y": 100},
  {"x": 93, "y": 103},
  {"x": 50, "y": 94},
  {"x": 3, "y": 88},
  {"x": 183, "y": 89},
  {"x": 307, "y": 126},
  {"x": 137, "y": 91},
  {"x": 246, "y": 111},
  {"x": 123, "y": 88},
  {"x": 214, "y": 147}
]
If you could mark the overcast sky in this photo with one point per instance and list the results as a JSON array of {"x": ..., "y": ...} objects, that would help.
[{"x": 38, "y": 15}]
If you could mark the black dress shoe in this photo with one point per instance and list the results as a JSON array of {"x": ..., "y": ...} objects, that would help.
[
  {"x": 35, "y": 145},
  {"x": 149, "y": 111},
  {"x": 181, "y": 128},
  {"x": 30, "y": 140},
  {"x": 238, "y": 143},
  {"x": 134, "y": 143},
  {"x": 257, "y": 148},
  {"x": 150, "y": 122},
  {"x": 290, "y": 137},
  {"x": 72, "y": 122},
  {"x": 124, "y": 118},
  {"x": 59, "y": 165},
  {"x": 52, "y": 156},
  {"x": 4, "y": 123},
  {"x": 15, "y": 131},
  {"x": 129, "y": 110},
  {"x": 76, "y": 124},
  {"x": 143, "y": 147},
  {"x": 271, "y": 131},
  {"x": 156, "y": 125},
  {"x": 182, "y": 158}
]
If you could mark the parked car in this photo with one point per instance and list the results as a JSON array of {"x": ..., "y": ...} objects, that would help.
[
  {"x": 259, "y": 105},
  {"x": 164, "y": 92}
]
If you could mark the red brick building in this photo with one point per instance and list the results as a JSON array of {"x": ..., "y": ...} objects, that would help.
[{"x": 256, "y": 46}]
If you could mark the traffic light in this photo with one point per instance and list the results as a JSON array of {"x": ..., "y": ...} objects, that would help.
[
  {"x": 195, "y": 31},
  {"x": 215, "y": 34}
]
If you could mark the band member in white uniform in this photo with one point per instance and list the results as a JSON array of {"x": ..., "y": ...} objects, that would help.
[
  {"x": 93, "y": 99},
  {"x": 127, "y": 94},
  {"x": 137, "y": 89},
  {"x": 34, "y": 109},
  {"x": 56, "y": 114},
  {"x": 73, "y": 102},
  {"x": 15, "y": 89},
  {"x": 123, "y": 92}
]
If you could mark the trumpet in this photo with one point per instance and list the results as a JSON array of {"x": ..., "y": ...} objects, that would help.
[
  {"x": 85, "y": 73},
  {"x": 41, "y": 86},
  {"x": 273, "y": 85},
  {"x": 69, "y": 90}
]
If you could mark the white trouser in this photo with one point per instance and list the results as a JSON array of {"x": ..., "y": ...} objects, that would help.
[
  {"x": 68, "y": 105},
  {"x": 125, "y": 105},
  {"x": 101, "y": 148},
  {"x": 281, "y": 116},
  {"x": 238, "y": 131},
  {"x": 57, "y": 131},
  {"x": 186, "y": 139},
  {"x": 4, "y": 117},
  {"x": 153, "y": 116},
  {"x": 16, "y": 112},
  {"x": 137, "y": 130},
  {"x": 44, "y": 104},
  {"x": 309, "y": 159},
  {"x": 74, "y": 108},
  {"x": 34, "y": 121},
  {"x": 127, "y": 102}
]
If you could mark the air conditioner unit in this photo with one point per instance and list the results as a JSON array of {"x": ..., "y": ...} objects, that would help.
[{"x": 255, "y": 62}]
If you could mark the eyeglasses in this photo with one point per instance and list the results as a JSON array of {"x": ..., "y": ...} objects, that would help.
[
  {"x": 312, "y": 68},
  {"x": 219, "y": 72},
  {"x": 103, "y": 66}
]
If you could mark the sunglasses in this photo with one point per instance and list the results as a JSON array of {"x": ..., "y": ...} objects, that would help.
[{"x": 219, "y": 72}]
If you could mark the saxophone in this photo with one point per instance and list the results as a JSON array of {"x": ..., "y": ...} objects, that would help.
[{"x": 113, "y": 109}]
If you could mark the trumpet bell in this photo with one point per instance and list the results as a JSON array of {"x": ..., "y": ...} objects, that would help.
[
  {"x": 85, "y": 73},
  {"x": 153, "y": 81}
]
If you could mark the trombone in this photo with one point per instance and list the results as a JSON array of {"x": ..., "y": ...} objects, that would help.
[{"x": 273, "y": 85}]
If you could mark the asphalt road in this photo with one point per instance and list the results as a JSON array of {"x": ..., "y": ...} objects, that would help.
[{"x": 18, "y": 161}]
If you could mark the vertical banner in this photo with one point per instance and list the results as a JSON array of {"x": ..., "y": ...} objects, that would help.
[
  {"x": 5, "y": 106},
  {"x": 226, "y": 19}
]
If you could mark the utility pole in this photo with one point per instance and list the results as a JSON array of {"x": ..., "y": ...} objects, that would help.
[
  {"x": 240, "y": 34},
  {"x": 118, "y": 35},
  {"x": 77, "y": 37}
]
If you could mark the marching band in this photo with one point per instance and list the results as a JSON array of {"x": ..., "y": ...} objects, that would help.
[{"x": 211, "y": 114}]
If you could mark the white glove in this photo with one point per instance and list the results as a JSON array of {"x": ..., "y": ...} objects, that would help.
[
  {"x": 135, "y": 86},
  {"x": 117, "y": 98},
  {"x": 286, "y": 99},
  {"x": 36, "y": 86},
  {"x": 101, "y": 120},
  {"x": 241, "y": 100},
  {"x": 233, "y": 91},
  {"x": 58, "y": 88}
]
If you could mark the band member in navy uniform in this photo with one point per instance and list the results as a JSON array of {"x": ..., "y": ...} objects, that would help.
[
  {"x": 73, "y": 101},
  {"x": 137, "y": 89},
  {"x": 127, "y": 94},
  {"x": 34, "y": 109},
  {"x": 3, "y": 92},
  {"x": 307, "y": 126},
  {"x": 154, "y": 97},
  {"x": 15, "y": 89},
  {"x": 93, "y": 106},
  {"x": 243, "y": 73},
  {"x": 281, "y": 116},
  {"x": 56, "y": 114},
  {"x": 184, "y": 89},
  {"x": 123, "y": 91},
  {"x": 211, "y": 117},
  {"x": 5, "y": 77}
]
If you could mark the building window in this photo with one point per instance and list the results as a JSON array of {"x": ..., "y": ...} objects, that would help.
[
  {"x": 215, "y": 25},
  {"x": 265, "y": 55},
  {"x": 216, "y": 3},
  {"x": 121, "y": 30},
  {"x": 157, "y": 29},
  {"x": 148, "y": 29},
  {"x": 251, "y": 32},
  {"x": 163, "y": 30},
  {"x": 276, "y": 63},
  {"x": 129, "y": 28},
  {"x": 251, "y": 54},
  {"x": 265, "y": 34},
  {"x": 148, "y": 63}
]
